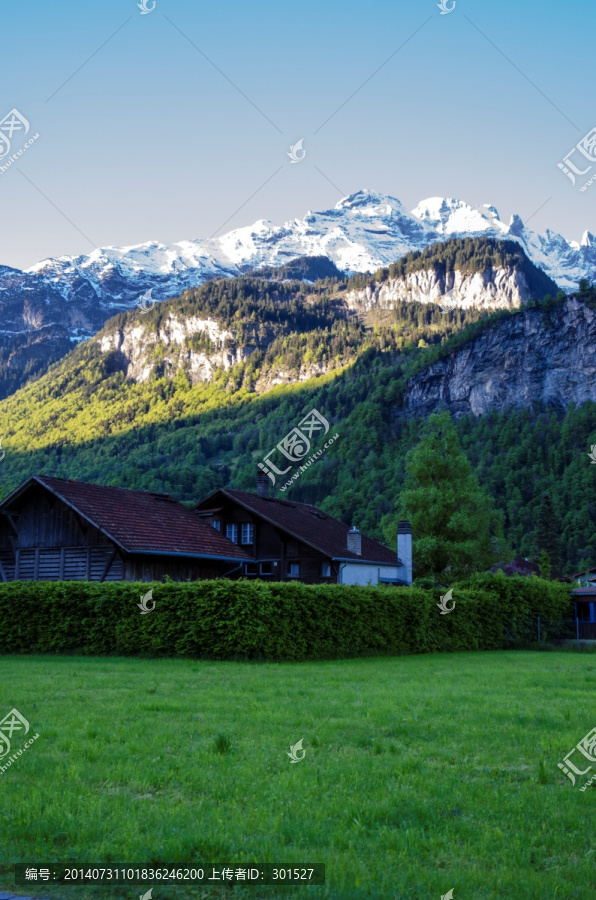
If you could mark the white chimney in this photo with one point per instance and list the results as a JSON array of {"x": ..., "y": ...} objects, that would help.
[
  {"x": 355, "y": 541},
  {"x": 404, "y": 551}
]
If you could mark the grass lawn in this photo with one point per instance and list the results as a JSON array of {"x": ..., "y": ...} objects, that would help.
[{"x": 421, "y": 774}]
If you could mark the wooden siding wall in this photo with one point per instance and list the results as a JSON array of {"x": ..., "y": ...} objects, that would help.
[
  {"x": 150, "y": 568},
  {"x": 61, "y": 564},
  {"x": 272, "y": 544},
  {"x": 54, "y": 543},
  {"x": 44, "y": 521}
]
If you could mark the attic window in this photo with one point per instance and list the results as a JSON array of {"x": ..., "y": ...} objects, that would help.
[{"x": 317, "y": 514}]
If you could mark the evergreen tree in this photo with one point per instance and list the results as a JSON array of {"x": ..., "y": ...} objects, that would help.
[
  {"x": 548, "y": 537},
  {"x": 545, "y": 564},
  {"x": 453, "y": 520}
]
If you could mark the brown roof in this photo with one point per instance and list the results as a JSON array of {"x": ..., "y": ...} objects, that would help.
[
  {"x": 138, "y": 521},
  {"x": 584, "y": 593},
  {"x": 310, "y": 525}
]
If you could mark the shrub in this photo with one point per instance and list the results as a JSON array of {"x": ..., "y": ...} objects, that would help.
[{"x": 251, "y": 619}]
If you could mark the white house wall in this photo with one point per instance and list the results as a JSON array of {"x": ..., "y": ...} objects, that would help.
[{"x": 359, "y": 573}]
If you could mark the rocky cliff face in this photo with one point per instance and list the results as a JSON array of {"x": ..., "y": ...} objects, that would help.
[
  {"x": 534, "y": 355},
  {"x": 142, "y": 349},
  {"x": 505, "y": 288},
  {"x": 199, "y": 345}
]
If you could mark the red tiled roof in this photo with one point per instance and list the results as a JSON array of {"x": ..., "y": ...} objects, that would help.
[
  {"x": 308, "y": 524},
  {"x": 138, "y": 520}
]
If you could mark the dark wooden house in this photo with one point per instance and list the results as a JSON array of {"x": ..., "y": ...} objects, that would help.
[
  {"x": 584, "y": 602},
  {"x": 292, "y": 541},
  {"x": 52, "y": 529}
]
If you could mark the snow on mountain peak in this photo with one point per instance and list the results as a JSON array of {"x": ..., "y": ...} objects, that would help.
[
  {"x": 449, "y": 216},
  {"x": 370, "y": 203},
  {"x": 362, "y": 232}
]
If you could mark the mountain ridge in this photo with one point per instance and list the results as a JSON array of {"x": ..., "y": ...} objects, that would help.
[{"x": 72, "y": 297}]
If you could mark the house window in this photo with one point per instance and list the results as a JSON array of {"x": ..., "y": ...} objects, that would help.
[
  {"x": 293, "y": 570},
  {"x": 232, "y": 533},
  {"x": 247, "y": 533},
  {"x": 325, "y": 570},
  {"x": 266, "y": 568},
  {"x": 216, "y": 524},
  {"x": 251, "y": 569},
  {"x": 583, "y": 611}
]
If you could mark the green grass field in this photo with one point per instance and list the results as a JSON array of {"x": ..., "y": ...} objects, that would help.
[{"x": 421, "y": 774}]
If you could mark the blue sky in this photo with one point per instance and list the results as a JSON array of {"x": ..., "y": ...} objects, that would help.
[{"x": 150, "y": 141}]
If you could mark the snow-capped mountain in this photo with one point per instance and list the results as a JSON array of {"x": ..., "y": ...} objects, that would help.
[
  {"x": 361, "y": 233},
  {"x": 62, "y": 300}
]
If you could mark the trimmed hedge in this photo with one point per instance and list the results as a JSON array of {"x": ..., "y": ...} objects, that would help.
[{"x": 249, "y": 619}]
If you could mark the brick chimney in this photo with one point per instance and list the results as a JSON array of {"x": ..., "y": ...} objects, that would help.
[
  {"x": 262, "y": 484},
  {"x": 404, "y": 551},
  {"x": 354, "y": 541}
]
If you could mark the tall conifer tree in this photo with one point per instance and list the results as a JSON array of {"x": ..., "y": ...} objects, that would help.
[{"x": 455, "y": 527}]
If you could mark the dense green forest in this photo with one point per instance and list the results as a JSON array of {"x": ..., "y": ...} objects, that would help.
[{"x": 85, "y": 420}]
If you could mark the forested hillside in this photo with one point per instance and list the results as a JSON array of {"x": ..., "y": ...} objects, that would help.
[
  {"x": 86, "y": 420},
  {"x": 293, "y": 321}
]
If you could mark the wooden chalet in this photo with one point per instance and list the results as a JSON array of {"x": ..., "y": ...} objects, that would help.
[
  {"x": 291, "y": 541},
  {"x": 52, "y": 529}
]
